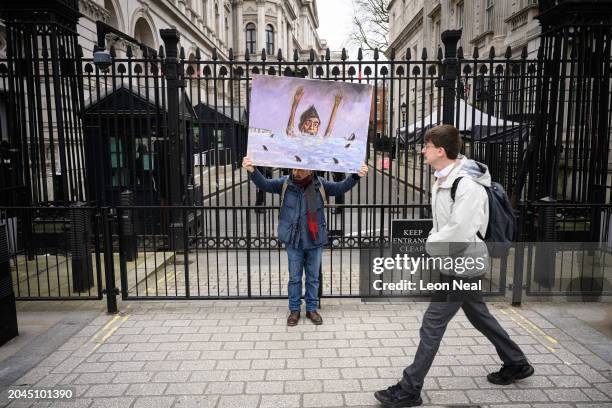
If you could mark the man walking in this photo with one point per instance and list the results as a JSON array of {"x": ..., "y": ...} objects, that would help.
[
  {"x": 458, "y": 224},
  {"x": 302, "y": 228}
]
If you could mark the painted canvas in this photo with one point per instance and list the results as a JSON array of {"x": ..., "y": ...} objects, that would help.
[{"x": 308, "y": 124}]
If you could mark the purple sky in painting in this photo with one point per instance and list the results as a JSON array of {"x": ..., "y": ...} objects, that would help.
[{"x": 272, "y": 96}]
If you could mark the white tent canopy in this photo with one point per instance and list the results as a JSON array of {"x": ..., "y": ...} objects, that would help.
[{"x": 473, "y": 123}]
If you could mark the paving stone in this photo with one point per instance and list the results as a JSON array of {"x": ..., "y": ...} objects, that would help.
[
  {"x": 196, "y": 401},
  {"x": 284, "y": 374},
  {"x": 447, "y": 397},
  {"x": 192, "y": 388},
  {"x": 341, "y": 385},
  {"x": 94, "y": 378},
  {"x": 565, "y": 381},
  {"x": 364, "y": 372},
  {"x": 106, "y": 390},
  {"x": 208, "y": 375},
  {"x": 566, "y": 395},
  {"x": 533, "y": 395},
  {"x": 321, "y": 373},
  {"x": 267, "y": 364},
  {"x": 225, "y": 387},
  {"x": 154, "y": 402},
  {"x": 339, "y": 362},
  {"x": 238, "y": 401},
  {"x": 323, "y": 400},
  {"x": 146, "y": 389},
  {"x": 280, "y": 400},
  {"x": 133, "y": 377},
  {"x": 264, "y": 387},
  {"x": 171, "y": 376},
  {"x": 456, "y": 383},
  {"x": 116, "y": 402}
]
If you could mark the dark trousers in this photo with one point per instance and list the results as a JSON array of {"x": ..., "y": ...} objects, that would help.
[{"x": 441, "y": 310}]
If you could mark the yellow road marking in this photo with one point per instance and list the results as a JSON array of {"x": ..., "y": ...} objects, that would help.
[
  {"x": 95, "y": 336},
  {"x": 110, "y": 332},
  {"x": 536, "y": 328}
]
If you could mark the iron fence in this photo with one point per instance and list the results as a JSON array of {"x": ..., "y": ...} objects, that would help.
[{"x": 152, "y": 141}]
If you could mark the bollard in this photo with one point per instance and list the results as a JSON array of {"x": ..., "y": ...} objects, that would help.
[
  {"x": 82, "y": 270},
  {"x": 127, "y": 233},
  {"x": 544, "y": 271}
]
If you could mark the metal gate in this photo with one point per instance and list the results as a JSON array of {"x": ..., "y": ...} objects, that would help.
[{"x": 150, "y": 187}]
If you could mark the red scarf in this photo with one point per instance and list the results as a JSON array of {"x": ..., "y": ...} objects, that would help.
[{"x": 307, "y": 186}]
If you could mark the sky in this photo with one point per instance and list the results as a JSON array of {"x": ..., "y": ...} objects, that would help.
[{"x": 335, "y": 23}]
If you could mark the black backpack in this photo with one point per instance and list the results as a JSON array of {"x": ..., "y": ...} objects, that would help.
[{"x": 502, "y": 220}]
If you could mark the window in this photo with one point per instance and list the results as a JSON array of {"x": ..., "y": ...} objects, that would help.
[
  {"x": 437, "y": 38},
  {"x": 218, "y": 138},
  {"x": 460, "y": 16},
  {"x": 116, "y": 156},
  {"x": 489, "y": 13},
  {"x": 250, "y": 38},
  {"x": 227, "y": 39},
  {"x": 269, "y": 39}
]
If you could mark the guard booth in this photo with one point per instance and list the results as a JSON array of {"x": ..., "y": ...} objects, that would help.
[
  {"x": 220, "y": 135},
  {"x": 127, "y": 151}
]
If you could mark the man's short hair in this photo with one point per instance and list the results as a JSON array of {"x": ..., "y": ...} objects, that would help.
[{"x": 447, "y": 137}]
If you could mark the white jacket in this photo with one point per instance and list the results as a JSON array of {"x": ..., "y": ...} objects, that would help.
[{"x": 456, "y": 224}]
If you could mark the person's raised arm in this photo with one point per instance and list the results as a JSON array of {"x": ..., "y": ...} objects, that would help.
[
  {"x": 332, "y": 116},
  {"x": 336, "y": 188},
  {"x": 265, "y": 184},
  {"x": 297, "y": 97}
]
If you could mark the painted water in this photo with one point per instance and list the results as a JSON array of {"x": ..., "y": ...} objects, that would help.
[{"x": 335, "y": 153}]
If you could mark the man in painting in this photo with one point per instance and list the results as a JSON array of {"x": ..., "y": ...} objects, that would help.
[{"x": 309, "y": 119}]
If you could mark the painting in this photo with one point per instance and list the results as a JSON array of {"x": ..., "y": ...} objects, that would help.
[{"x": 308, "y": 124}]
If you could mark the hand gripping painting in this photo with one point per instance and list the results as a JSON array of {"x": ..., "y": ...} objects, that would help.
[{"x": 308, "y": 124}]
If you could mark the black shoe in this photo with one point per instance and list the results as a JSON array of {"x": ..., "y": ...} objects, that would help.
[
  {"x": 510, "y": 373},
  {"x": 396, "y": 397}
]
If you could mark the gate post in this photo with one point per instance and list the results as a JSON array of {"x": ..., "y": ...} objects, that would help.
[
  {"x": 450, "y": 69},
  {"x": 109, "y": 265},
  {"x": 175, "y": 84}
]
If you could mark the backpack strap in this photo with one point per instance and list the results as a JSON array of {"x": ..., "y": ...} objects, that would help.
[
  {"x": 284, "y": 190},
  {"x": 454, "y": 187},
  {"x": 322, "y": 192},
  {"x": 454, "y": 190}
]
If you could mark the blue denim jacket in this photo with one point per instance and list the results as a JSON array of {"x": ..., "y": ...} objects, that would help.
[{"x": 293, "y": 222}]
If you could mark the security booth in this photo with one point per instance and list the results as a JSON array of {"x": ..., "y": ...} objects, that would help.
[
  {"x": 127, "y": 151},
  {"x": 220, "y": 135}
]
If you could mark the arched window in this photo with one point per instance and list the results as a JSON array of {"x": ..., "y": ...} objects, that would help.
[
  {"x": 250, "y": 38},
  {"x": 143, "y": 33},
  {"x": 269, "y": 39}
]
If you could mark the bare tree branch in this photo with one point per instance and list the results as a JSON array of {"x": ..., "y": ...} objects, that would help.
[{"x": 370, "y": 25}]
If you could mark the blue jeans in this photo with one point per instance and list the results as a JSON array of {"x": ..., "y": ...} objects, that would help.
[{"x": 300, "y": 260}]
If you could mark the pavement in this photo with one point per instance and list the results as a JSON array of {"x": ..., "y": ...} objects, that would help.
[{"x": 240, "y": 353}]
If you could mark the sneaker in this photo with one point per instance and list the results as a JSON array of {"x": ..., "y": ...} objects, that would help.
[
  {"x": 510, "y": 373},
  {"x": 396, "y": 397},
  {"x": 293, "y": 318},
  {"x": 314, "y": 317}
]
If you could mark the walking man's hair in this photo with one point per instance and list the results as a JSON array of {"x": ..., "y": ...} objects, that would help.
[{"x": 447, "y": 137}]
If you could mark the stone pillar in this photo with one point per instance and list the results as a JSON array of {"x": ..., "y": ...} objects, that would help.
[
  {"x": 239, "y": 41},
  {"x": 221, "y": 33},
  {"x": 278, "y": 33},
  {"x": 261, "y": 25}
]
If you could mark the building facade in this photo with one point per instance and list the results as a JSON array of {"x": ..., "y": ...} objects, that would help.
[
  {"x": 204, "y": 24},
  {"x": 417, "y": 24}
]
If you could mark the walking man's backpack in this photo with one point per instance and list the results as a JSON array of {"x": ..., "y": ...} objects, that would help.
[{"x": 502, "y": 221}]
